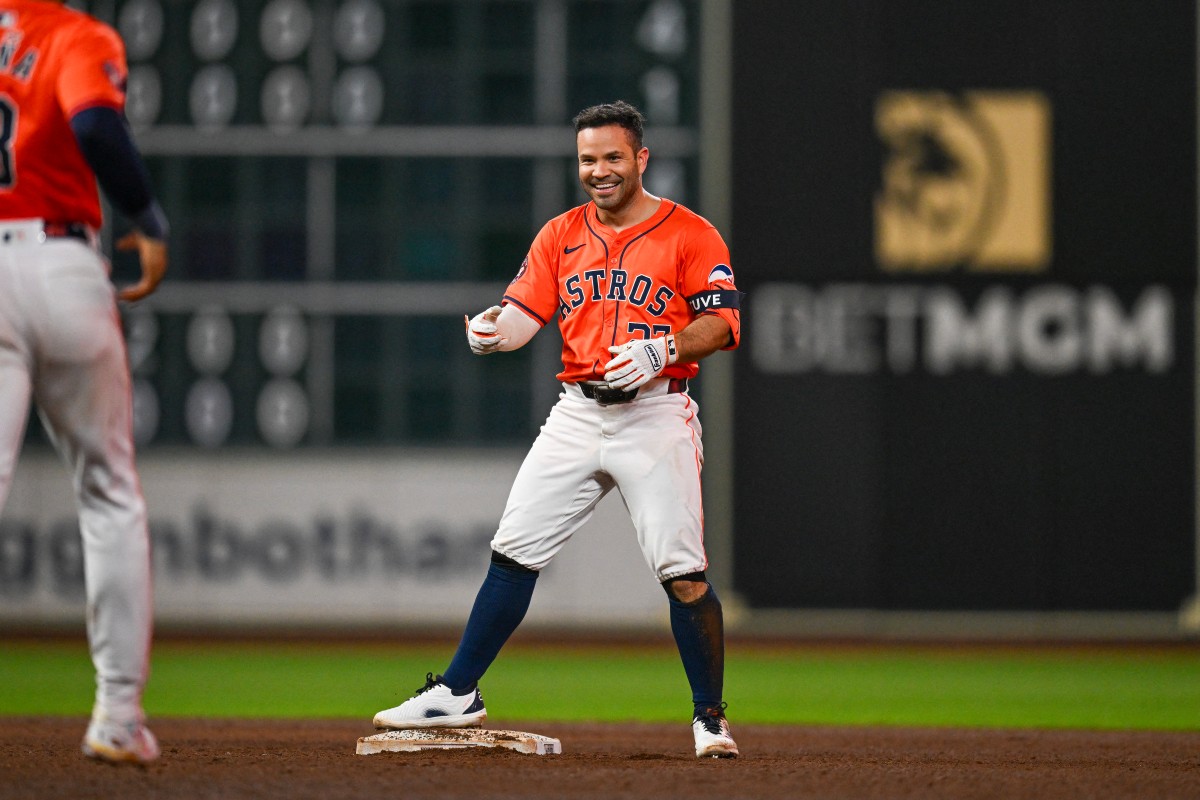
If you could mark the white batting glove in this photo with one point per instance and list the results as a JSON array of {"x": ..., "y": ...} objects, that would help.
[
  {"x": 638, "y": 361},
  {"x": 482, "y": 336}
]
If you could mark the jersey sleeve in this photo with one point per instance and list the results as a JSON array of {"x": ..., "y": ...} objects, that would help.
[
  {"x": 708, "y": 282},
  {"x": 95, "y": 72},
  {"x": 535, "y": 289}
]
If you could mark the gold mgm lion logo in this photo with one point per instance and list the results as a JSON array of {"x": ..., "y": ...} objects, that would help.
[{"x": 966, "y": 182}]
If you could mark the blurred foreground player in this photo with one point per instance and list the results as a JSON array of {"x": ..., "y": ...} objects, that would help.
[
  {"x": 62, "y": 127},
  {"x": 643, "y": 290}
]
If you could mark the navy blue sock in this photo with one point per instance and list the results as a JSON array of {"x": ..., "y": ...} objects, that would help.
[
  {"x": 699, "y": 630},
  {"x": 499, "y": 608}
]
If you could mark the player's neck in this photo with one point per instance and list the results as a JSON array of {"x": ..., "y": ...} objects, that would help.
[{"x": 635, "y": 213}]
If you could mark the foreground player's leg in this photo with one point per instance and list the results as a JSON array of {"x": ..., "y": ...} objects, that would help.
[
  {"x": 698, "y": 626},
  {"x": 14, "y": 410},
  {"x": 553, "y": 495},
  {"x": 665, "y": 502},
  {"x": 83, "y": 397},
  {"x": 499, "y": 608},
  {"x": 112, "y": 521},
  {"x": 453, "y": 700}
]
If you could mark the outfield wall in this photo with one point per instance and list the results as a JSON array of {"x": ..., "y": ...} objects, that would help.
[
  {"x": 318, "y": 540},
  {"x": 346, "y": 542}
]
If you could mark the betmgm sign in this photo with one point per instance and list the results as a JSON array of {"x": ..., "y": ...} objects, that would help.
[
  {"x": 1046, "y": 329},
  {"x": 967, "y": 379},
  {"x": 964, "y": 186}
]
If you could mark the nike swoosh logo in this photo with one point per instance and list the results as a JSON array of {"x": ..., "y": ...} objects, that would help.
[{"x": 568, "y": 250}]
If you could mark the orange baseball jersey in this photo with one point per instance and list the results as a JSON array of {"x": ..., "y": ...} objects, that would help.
[
  {"x": 641, "y": 283},
  {"x": 54, "y": 62}
]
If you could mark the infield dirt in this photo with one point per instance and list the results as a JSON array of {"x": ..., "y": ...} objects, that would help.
[{"x": 39, "y": 758}]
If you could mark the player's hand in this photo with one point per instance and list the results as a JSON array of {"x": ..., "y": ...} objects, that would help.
[
  {"x": 481, "y": 332},
  {"x": 638, "y": 361},
  {"x": 152, "y": 254}
]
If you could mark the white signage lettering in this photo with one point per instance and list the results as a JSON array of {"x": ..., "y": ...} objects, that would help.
[{"x": 1047, "y": 329}]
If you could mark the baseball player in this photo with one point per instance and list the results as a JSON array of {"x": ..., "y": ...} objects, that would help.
[
  {"x": 62, "y": 128},
  {"x": 642, "y": 290}
]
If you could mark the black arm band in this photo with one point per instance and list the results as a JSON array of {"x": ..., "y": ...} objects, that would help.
[{"x": 714, "y": 300}]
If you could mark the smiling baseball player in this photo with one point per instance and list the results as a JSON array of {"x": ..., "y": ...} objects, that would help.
[
  {"x": 642, "y": 290},
  {"x": 62, "y": 127}
]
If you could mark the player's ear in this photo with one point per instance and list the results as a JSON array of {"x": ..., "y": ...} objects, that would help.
[{"x": 643, "y": 156}]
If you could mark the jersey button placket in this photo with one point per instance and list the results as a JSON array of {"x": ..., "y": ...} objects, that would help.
[{"x": 608, "y": 321}]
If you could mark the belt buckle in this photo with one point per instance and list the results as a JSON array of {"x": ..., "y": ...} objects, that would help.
[{"x": 608, "y": 396}]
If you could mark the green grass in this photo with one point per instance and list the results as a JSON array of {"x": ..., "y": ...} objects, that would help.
[{"x": 1105, "y": 688}]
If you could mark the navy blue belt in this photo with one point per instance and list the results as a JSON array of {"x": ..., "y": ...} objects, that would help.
[{"x": 72, "y": 230}]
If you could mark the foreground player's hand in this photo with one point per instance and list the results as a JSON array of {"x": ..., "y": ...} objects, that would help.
[
  {"x": 152, "y": 254},
  {"x": 638, "y": 361},
  {"x": 481, "y": 332}
]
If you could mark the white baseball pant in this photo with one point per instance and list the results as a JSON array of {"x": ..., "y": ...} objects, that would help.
[
  {"x": 61, "y": 343},
  {"x": 649, "y": 449}
]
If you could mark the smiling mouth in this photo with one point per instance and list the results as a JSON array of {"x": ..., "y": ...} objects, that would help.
[{"x": 605, "y": 188}]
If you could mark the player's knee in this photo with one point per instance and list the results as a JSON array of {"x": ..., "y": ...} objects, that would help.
[{"x": 687, "y": 589}]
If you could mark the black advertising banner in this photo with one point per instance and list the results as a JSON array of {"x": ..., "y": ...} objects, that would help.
[{"x": 968, "y": 236}]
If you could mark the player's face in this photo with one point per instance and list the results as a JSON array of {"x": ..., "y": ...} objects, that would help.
[{"x": 609, "y": 168}]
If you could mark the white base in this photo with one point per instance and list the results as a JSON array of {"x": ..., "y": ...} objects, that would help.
[{"x": 456, "y": 739}]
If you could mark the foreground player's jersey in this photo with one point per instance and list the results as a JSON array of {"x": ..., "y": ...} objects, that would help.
[
  {"x": 608, "y": 287},
  {"x": 54, "y": 62}
]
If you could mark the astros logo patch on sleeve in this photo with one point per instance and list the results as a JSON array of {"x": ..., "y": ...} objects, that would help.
[
  {"x": 721, "y": 272},
  {"x": 114, "y": 75},
  {"x": 521, "y": 271}
]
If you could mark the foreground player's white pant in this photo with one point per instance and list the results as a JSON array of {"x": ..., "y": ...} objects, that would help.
[
  {"x": 649, "y": 450},
  {"x": 61, "y": 343}
]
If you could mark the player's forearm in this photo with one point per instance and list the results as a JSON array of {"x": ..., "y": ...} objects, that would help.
[
  {"x": 109, "y": 150},
  {"x": 515, "y": 327},
  {"x": 702, "y": 337},
  {"x": 498, "y": 329}
]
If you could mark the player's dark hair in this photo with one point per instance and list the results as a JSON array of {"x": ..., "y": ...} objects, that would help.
[{"x": 615, "y": 113}]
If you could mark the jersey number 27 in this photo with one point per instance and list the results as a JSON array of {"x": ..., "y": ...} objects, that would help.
[{"x": 648, "y": 331}]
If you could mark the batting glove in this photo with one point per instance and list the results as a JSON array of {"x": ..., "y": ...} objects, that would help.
[
  {"x": 638, "y": 361},
  {"x": 482, "y": 335}
]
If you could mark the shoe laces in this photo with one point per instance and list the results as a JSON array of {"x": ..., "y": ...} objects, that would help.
[
  {"x": 711, "y": 718},
  {"x": 431, "y": 681}
]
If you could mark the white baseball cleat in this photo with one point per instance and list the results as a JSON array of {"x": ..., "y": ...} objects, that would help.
[
  {"x": 711, "y": 730},
  {"x": 435, "y": 706},
  {"x": 119, "y": 742}
]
